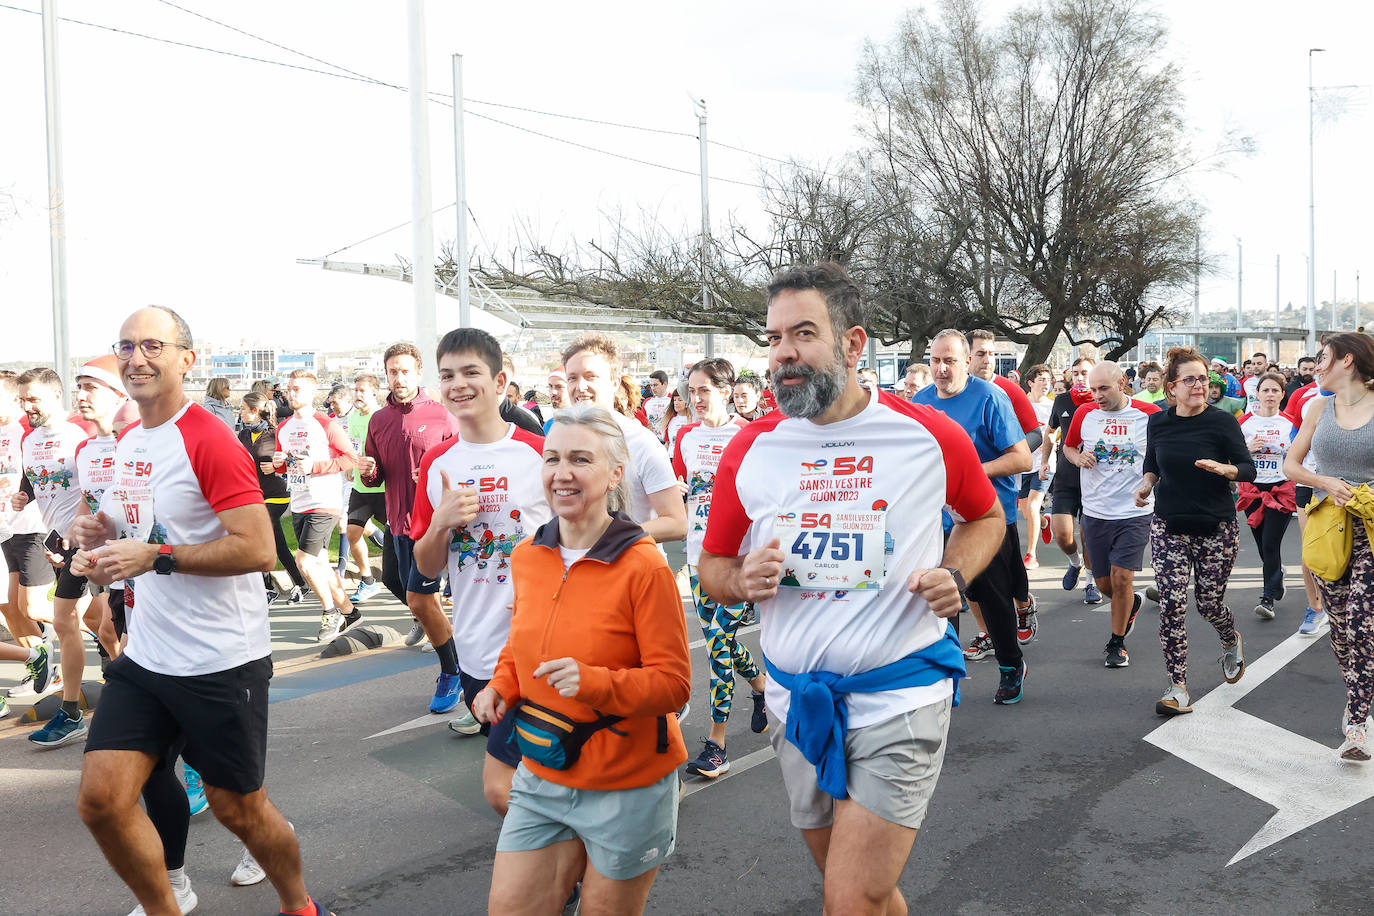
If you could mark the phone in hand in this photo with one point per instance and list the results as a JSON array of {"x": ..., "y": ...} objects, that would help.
[{"x": 53, "y": 542}]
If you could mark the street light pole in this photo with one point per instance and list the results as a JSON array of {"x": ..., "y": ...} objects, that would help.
[
  {"x": 57, "y": 200},
  {"x": 705, "y": 227},
  {"x": 1311, "y": 214},
  {"x": 421, "y": 212},
  {"x": 460, "y": 184}
]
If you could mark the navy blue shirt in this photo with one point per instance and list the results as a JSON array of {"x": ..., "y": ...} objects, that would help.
[{"x": 987, "y": 416}]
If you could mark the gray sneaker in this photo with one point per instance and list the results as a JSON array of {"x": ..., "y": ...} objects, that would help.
[
  {"x": 331, "y": 625},
  {"x": 1174, "y": 702},
  {"x": 416, "y": 634},
  {"x": 1233, "y": 661},
  {"x": 466, "y": 724},
  {"x": 1265, "y": 609}
]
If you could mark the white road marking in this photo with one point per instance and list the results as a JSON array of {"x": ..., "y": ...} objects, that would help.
[
  {"x": 747, "y": 762},
  {"x": 418, "y": 722},
  {"x": 1298, "y": 776}
]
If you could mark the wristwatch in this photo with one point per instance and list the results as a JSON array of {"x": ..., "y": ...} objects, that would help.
[
  {"x": 959, "y": 583},
  {"x": 164, "y": 563}
]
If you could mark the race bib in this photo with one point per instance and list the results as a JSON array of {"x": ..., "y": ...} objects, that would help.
[
  {"x": 297, "y": 476},
  {"x": 131, "y": 496},
  {"x": 1267, "y": 464},
  {"x": 839, "y": 549},
  {"x": 698, "y": 510},
  {"x": 1115, "y": 449}
]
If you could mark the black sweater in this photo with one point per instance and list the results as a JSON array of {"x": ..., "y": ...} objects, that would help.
[{"x": 1188, "y": 498}]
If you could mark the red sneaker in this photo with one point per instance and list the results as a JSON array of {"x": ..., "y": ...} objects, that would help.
[{"x": 1045, "y": 529}]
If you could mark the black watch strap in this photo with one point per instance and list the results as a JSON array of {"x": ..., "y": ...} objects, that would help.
[{"x": 958, "y": 579}]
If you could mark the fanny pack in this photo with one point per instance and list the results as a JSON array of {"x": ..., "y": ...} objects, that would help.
[{"x": 554, "y": 740}]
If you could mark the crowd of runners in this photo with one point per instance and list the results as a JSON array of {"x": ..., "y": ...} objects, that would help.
[{"x": 854, "y": 523}]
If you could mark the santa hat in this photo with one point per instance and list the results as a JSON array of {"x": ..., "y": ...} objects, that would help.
[
  {"x": 104, "y": 369},
  {"x": 559, "y": 373}
]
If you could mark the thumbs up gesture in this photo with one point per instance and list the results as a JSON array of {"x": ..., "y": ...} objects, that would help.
[{"x": 457, "y": 505}]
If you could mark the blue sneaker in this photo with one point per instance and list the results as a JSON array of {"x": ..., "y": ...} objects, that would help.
[
  {"x": 61, "y": 729},
  {"x": 1091, "y": 595},
  {"x": 447, "y": 690},
  {"x": 195, "y": 790},
  {"x": 1312, "y": 621},
  {"x": 364, "y": 591},
  {"x": 1071, "y": 577},
  {"x": 1012, "y": 685}
]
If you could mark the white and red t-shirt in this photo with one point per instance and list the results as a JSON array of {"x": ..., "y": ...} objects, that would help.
[
  {"x": 1116, "y": 438},
  {"x": 50, "y": 465},
  {"x": 878, "y": 481},
  {"x": 29, "y": 520},
  {"x": 169, "y": 483},
  {"x": 317, "y": 453},
  {"x": 511, "y": 506},
  {"x": 95, "y": 468},
  {"x": 1299, "y": 403},
  {"x": 1275, "y": 434},
  {"x": 655, "y": 408},
  {"x": 1042, "y": 410},
  {"x": 696, "y": 456}
]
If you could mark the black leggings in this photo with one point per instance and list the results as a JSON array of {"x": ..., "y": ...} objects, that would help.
[
  {"x": 1269, "y": 540},
  {"x": 169, "y": 810},
  {"x": 284, "y": 554},
  {"x": 391, "y": 573},
  {"x": 994, "y": 589}
]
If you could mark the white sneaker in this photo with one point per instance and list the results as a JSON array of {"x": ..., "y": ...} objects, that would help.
[
  {"x": 24, "y": 688},
  {"x": 331, "y": 625},
  {"x": 1355, "y": 748},
  {"x": 248, "y": 872},
  {"x": 416, "y": 634},
  {"x": 466, "y": 724},
  {"x": 186, "y": 899}
]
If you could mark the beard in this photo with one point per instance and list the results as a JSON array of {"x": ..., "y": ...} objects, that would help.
[{"x": 814, "y": 396}]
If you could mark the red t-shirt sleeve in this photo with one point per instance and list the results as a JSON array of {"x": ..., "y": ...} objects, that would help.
[
  {"x": 423, "y": 510},
  {"x": 227, "y": 476},
  {"x": 680, "y": 466},
  {"x": 1020, "y": 403}
]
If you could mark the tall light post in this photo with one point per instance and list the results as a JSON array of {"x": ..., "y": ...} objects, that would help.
[
  {"x": 57, "y": 199},
  {"x": 1311, "y": 212}
]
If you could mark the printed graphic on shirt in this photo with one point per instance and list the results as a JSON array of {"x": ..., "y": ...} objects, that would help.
[
  {"x": 95, "y": 469},
  {"x": 696, "y": 457},
  {"x": 50, "y": 466},
  {"x": 1116, "y": 440},
  {"x": 1273, "y": 435}
]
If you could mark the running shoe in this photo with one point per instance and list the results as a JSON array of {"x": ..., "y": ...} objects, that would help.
[
  {"x": 248, "y": 872},
  {"x": 364, "y": 591},
  {"x": 272, "y": 595},
  {"x": 24, "y": 689},
  {"x": 315, "y": 909},
  {"x": 1090, "y": 593},
  {"x": 1355, "y": 748},
  {"x": 1027, "y": 622},
  {"x": 1071, "y": 576},
  {"x": 1152, "y": 592},
  {"x": 1012, "y": 686},
  {"x": 980, "y": 647},
  {"x": 296, "y": 596},
  {"x": 416, "y": 634},
  {"x": 4, "y": 707},
  {"x": 61, "y": 729},
  {"x": 1265, "y": 609},
  {"x": 750, "y": 616},
  {"x": 758, "y": 720},
  {"x": 1345, "y": 720},
  {"x": 466, "y": 724},
  {"x": 195, "y": 790},
  {"x": 1116, "y": 655},
  {"x": 1174, "y": 702},
  {"x": 185, "y": 896},
  {"x": 1233, "y": 661},
  {"x": 711, "y": 762},
  {"x": 1030, "y": 562},
  {"x": 351, "y": 619},
  {"x": 1045, "y": 529},
  {"x": 447, "y": 692},
  {"x": 1311, "y": 622},
  {"x": 40, "y": 670},
  {"x": 1139, "y": 599},
  {"x": 331, "y": 625},
  {"x": 682, "y": 713}
]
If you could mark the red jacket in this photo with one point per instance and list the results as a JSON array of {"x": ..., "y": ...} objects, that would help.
[{"x": 398, "y": 435}]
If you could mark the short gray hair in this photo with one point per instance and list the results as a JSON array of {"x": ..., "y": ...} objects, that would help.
[
  {"x": 956, "y": 334},
  {"x": 613, "y": 445}
]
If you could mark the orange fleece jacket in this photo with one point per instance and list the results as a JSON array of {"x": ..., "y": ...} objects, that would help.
[{"x": 617, "y": 611}]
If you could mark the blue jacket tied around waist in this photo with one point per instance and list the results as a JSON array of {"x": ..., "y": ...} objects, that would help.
[{"x": 817, "y": 719}]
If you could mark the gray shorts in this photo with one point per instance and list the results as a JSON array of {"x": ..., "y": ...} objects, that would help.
[
  {"x": 891, "y": 768},
  {"x": 1118, "y": 542},
  {"x": 626, "y": 832}
]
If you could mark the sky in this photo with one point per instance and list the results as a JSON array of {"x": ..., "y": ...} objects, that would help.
[{"x": 195, "y": 180}]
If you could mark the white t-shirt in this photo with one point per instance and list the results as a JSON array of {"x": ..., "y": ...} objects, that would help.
[
  {"x": 675, "y": 426},
  {"x": 893, "y": 467},
  {"x": 314, "y": 475},
  {"x": 50, "y": 465},
  {"x": 1251, "y": 389},
  {"x": 95, "y": 468},
  {"x": 511, "y": 506},
  {"x": 1116, "y": 438},
  {"x": 696, "y": 456},
  {"x": 571, "y": 555},
  {"x": 170, "y": 481},
  {"x": 1275, "y": 434},
  {"x": 650, "y": 470},
  {"x": 1042, "y": 413},
  {"x": 655, "y": 408},
  {"x": 29, "y": 520}
]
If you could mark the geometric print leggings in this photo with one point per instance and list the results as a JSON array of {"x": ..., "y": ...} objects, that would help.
[
  {"x": 1349, "y": 605},
  {"x": 718, "y": 624},
  {"x": 1209, "y": 559}
]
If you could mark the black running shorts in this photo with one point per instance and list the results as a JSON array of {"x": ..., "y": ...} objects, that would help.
[
  {"x": 222, "y": 717},
  {"x": 313, "y": 530},
  {"x": 24, "y": 554},
  {"x": 365, "y": 506},
  {"x": 68, "y": 585}
]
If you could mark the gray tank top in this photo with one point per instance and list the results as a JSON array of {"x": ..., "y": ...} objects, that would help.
[{"x": 1344, "y": 453}]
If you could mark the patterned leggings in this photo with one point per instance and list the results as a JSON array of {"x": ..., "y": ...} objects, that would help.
[
  {"x": 1349, "y": 603},
  {"x": 1177, "y": 557},
  {"x": 718, "y": 624}
]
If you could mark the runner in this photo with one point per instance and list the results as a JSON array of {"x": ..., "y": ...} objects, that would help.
[
  {"x": 1107, "y": 440},
  {"x": 1258, "y": 366},
  {"x": 511, "y": 411},
  {"x": 28, "y": 571},
  {"x": 1032, "y": 492},
  {"x": 198, "y": 661},
  {"x": 987, "y": 417},
  {"x": 1066, "y": 498},
  {"x": 656, "y": 405},
  {"x": 1151, "y": 388},
  {"x": 49, "y": 450},
  {"x": 747, "y": 397},
  {"x": 313, "y": 451},
  {"x": 683, "y": 416},
  {"x": 593, "y": 366},
  {"x": 696, "y": 458},
  {"x": 558, "y": 395},
  {"x": 1299, "y": 405},
  {"x": 1216, "y": 396},
  {"x": 258, "y": 434},
  {"x": 1193, "y": 452},
  {"x": 1272, "y": 496},
  {"x": 1338, "y": 430},
  {"x": 407, "y": 426},
  {"x": 479, "y": 495},
  {"x": 917, "y": 377},
  {"x": 367, "y": 503},
  {"x": 858, "y": 800},
  {"x": 1307, "y": 367}
]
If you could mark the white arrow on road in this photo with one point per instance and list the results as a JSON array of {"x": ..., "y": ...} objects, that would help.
[{"x": 1301, "y": 778}]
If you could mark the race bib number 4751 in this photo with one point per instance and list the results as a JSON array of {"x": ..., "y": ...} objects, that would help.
[{"x": 839, "y": 549}]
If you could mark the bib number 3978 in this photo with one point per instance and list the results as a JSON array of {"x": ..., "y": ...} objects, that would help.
[{"x": 839, "y": 549}]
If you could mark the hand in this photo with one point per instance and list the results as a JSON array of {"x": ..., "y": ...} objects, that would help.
[
  {"x": 1255, "y": 445},
  {"x": 682, "y": 486},
  {"x": 562, "y": 675},
  {"x": 457, "y": 505},
  {"x": 18, "y": 501},
  {"x": 488, "y": 706},
  {"x": 1082, "y": 459},
  {"x": 761, "y": 570},
  {"x": 278, "y": 458},
  {"x": 83, "y": 564},
  {"x": 1142, "y": 496},
  {"x": 368, "y": 466},
  {"x": 415, "y": 475},
  {"x": 938, "y": 588},
  {"x": 90, "y": 531},
  {"x": 1216, "y": 467},
  {"x": 56, "y": 559},
  {"x": 1338, "y": 489},
  {"x": 267, "y": 467},
  {"x": 124, "y": 559},
  {"x": 1044, "y": 472}
]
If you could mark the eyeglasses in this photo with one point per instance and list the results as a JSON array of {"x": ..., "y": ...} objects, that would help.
[
  {"x": 1189, "y": 381},
  {"x": 124, "y": 349}
]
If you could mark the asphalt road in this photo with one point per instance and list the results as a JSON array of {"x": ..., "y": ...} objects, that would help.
[{"x": 1078, "y": 800}]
